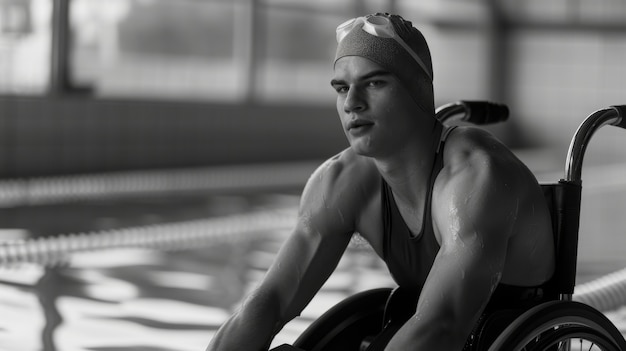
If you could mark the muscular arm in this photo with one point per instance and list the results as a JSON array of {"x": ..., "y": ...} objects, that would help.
[
  {"x": 302, "y": 265},
  {"x": 474, "y": 210}
]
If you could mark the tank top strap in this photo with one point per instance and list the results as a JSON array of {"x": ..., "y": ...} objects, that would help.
[{"x": 444, "y": 135}]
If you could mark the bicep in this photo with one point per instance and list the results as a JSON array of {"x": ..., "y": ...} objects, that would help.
[{"x": 474, "y": 215}]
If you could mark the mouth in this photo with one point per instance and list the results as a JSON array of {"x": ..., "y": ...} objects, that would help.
[{"x": 358, "y": 124}]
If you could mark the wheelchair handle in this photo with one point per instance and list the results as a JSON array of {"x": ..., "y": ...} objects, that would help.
[
  {"x": 614, "y": 115},
  {"x": 475, "y": 112}
]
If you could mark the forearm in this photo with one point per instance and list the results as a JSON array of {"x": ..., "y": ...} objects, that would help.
[
  {"x": 251, "y": 328},
  {"x": 437, "y": 335},
  {"x": 236, "y": 334}
]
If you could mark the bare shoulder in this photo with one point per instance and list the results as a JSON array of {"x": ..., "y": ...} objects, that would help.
[
  {"x": 345, "y": 172},
  {"x": 482, "y": 180},
  {"x": 338, "y": 188},
  {"x": 471, "y": 151}
]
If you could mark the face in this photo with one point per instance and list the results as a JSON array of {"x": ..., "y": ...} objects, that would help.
[{"x": 378, "y": 115}]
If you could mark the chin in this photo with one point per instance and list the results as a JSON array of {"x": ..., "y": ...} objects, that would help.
[{"x": 363, "y": 151}]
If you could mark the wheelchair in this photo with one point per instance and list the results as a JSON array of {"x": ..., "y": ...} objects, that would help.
[{"x": 558, "y": 324}]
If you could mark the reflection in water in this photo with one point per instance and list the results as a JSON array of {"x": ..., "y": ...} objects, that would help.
[
  {"x": 124, "y": 299},
  {"x": 48, "y": 290},
  {"x": 150, "y": 300}
]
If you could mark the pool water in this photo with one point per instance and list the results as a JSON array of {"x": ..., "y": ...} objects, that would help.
[{"x": 131, "y": 299}]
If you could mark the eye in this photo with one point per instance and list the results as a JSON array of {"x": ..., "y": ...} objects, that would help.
[
  {"x": 376, "y": 83},
  {"x": 340, "y": 89}
]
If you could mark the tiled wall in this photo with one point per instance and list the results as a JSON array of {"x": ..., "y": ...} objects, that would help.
[{"x": 49, "y": 136}]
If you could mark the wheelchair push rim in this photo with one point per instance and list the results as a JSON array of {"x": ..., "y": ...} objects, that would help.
[{"x": 548, "y": 325}]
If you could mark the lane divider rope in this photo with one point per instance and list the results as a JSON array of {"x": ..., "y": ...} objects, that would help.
[
  {"x": 54, "y": 250},
  {"x": 606, "y": 293},
  {"x": 80, "y": 187}
]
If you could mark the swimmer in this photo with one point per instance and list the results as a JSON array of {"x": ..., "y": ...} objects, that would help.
[{"x": 460, "y": 222}]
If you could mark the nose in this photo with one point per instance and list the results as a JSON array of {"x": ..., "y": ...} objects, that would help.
[{"x": 354, "y": 101}]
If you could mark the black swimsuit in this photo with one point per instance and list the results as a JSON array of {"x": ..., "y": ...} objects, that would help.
[{"x": 409, "y": 257}]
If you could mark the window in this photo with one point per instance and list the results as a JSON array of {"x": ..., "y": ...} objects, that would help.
[
  {"x": 25, "y": 40},
  {"x": 183, "y": 49},
  {"x": 296, "y": 62},
  {"x": 458, "y": 43}
]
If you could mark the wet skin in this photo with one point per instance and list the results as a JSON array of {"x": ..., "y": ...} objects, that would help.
[{"x": 488, "y": 215}]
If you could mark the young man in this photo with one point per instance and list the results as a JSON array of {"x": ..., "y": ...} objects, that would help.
[{"x": 458, "y": 219}]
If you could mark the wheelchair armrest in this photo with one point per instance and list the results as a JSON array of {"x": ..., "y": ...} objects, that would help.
[
  {"x": 485, "y": 112},
  {"x": 475, "y": 112}
]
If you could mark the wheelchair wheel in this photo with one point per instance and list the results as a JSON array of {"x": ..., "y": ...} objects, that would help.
[
  {"x": 346, "y": 324},
  {"x": 560, "y": 325}
]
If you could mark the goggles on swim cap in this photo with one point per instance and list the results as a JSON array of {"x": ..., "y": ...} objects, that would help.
[{"x": 379, "y": 26}]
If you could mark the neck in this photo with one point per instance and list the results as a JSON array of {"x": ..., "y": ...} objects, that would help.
[{"x": 408, "y": 170}]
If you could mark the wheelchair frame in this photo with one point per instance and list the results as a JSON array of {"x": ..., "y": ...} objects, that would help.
[{"x": 540, "y": 328}]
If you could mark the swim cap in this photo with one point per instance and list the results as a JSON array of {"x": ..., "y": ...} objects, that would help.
[{"x": 389, "y": 54}]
